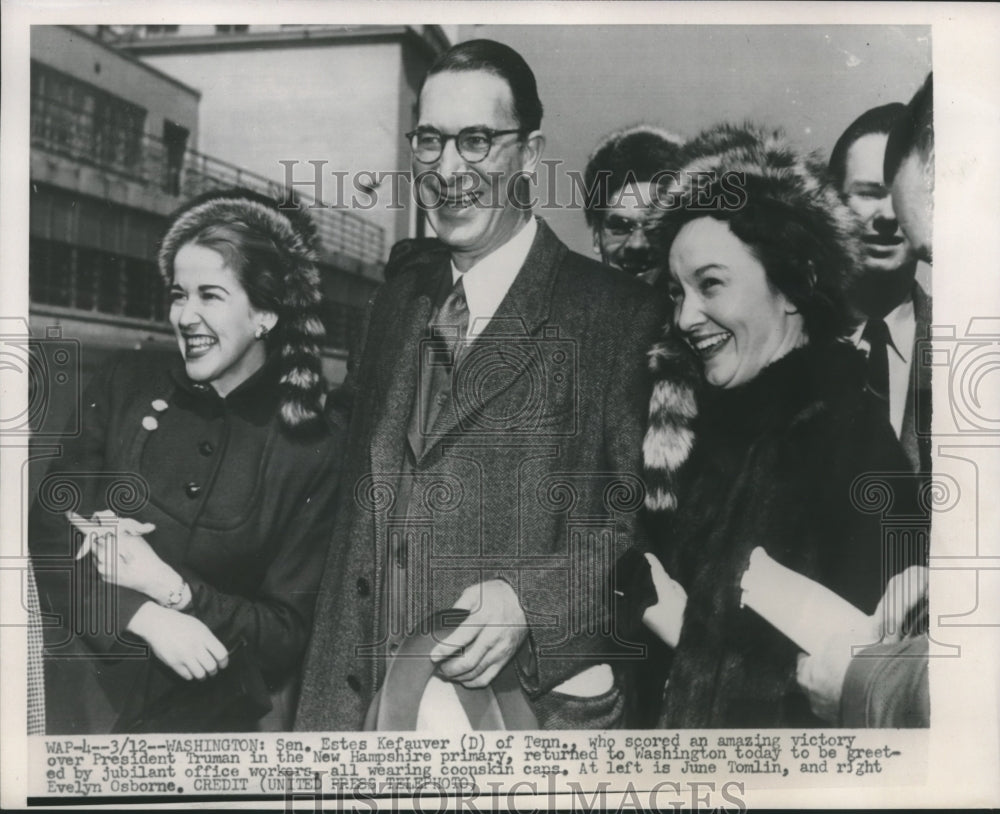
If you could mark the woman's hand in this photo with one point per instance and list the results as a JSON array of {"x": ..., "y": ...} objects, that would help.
[
  {"x": 183, "y": 643},
  {"x": 667, "y": 615},
  {"x": 123, "y": 557}
]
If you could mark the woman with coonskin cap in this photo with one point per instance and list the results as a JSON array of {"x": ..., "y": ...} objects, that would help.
[
  {"x": 180, "y": 537},
  {"x": 762, "y": 451}
]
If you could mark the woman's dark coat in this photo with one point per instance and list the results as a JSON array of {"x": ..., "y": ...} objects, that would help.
[
  {"x": 776, "y": 463},
  {"x": 243, "y": 512}
]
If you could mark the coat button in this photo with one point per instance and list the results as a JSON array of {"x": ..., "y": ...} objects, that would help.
[
  {"x": 354, "y": 683},
  {"x": 192, "y": 489},
  {"x": 363, "y": 587},
  {"x": 206, "y": 448}
]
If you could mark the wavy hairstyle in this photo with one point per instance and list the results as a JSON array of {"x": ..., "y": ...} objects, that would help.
[
  {"x": 273, "y": 252},
  {"x": 779, "y": 204}
]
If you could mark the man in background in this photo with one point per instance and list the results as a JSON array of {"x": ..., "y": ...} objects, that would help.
[
  {"x": 893, "y": 310},
  {"x": 620, "y": 180},
  {"x": 887, "y": 685}
]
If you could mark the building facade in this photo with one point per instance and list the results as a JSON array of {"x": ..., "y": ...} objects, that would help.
[{"x": 117, "y": 143}]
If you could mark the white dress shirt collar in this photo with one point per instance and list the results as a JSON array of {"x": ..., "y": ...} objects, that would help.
[
  {"x": 901, "y": 322},
  {"x": 487, "y": 282}
]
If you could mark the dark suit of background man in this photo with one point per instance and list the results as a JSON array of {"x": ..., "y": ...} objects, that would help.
[
  {"x": 505, "y": 483},
  {"x": 892, "y": 308}
]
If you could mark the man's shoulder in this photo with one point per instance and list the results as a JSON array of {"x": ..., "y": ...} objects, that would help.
[
  {"x": 591, "y": 278},
  {"x": 922, "y": 305},
  {"x": 413, "y": 254}
]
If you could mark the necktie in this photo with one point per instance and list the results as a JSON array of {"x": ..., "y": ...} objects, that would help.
[
  {"x": 448, "y": 329},
  {"x": 877, "y": 335},
  {"x": 451, "y": 323}
]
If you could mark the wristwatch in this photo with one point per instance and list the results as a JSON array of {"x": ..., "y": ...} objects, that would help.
[{"x": 176, "y": 597}]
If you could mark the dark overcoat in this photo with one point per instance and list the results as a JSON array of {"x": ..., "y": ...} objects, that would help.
[
  {"x": 530, "y": 474},
  {"x": 800, "y": 462},
  {"x": 243, "y": 512}
]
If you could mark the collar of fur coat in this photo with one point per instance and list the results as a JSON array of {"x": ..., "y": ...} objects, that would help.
[{"x": 680, "y": 408}]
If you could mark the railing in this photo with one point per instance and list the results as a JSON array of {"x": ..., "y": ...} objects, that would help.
[{"x": 148, "y": 160}]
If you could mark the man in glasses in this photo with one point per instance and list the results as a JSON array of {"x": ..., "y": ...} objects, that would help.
[
  {"x": 498, "y": 413},
  {"x": 621, "y": 184}
]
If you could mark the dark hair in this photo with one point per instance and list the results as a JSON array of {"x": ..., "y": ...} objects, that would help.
[
  {"x": 258, "y": 263},
  {"x": 794, "y": 224},
  {"x": 913, "y": 131},
  {"x": 635, "y": 154},
  {"x": 877, "y": 120},
  {"x": 500, "y": 60},
  {"x": 273, "y": 252}
]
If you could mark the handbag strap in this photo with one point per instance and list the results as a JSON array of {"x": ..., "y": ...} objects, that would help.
[{"x": 501, "y": 705}]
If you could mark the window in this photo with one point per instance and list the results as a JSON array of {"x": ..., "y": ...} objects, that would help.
[
  {"x": 77, "y": 118},
  {"x": 95, "y": 280},
  {"x": 231, "y": 29}
]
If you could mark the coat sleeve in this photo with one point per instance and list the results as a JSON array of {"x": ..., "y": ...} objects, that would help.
[
  {"x": 87, "y": 607},
  {"x": 276, "y": 621},
  {"x": 865, "y": 525}
]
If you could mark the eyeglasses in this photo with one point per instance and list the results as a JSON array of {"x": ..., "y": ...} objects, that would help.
[
  {"x": 473, "y": 143},
  {"x": 622, "y": 227}
]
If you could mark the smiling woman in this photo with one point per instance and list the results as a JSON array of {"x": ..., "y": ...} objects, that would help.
[
  {"x": 184, "y": 605},
  {"x": 218, "y": 329},
  {"x": 784, "y": 427}
]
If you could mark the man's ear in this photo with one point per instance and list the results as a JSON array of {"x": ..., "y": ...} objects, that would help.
[
  {"x": 596, "y": 234},
  {"x": 532, "y": 149}
]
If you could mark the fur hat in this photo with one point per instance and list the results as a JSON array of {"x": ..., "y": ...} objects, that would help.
[
  {"x": 778, "y": 201},
  {"x": 798, "y": 226},
  {"x": 297, "y": 299}
]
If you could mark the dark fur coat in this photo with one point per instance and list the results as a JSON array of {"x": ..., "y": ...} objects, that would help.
[{"x": 772, "y": 465}]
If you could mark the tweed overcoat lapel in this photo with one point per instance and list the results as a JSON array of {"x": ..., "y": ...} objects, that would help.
[
  {"x": 398, "y": 375},
  {"x": 520, "y": 314}
]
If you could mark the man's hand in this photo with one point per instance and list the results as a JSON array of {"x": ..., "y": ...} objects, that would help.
[
  {"x": 489, "y": 637},
  {"x": 902, "y": 592},
  {"x": 666, "y": 617},
  {"x": 183, "y": 643},
  {"x": 821, "y": 675}
]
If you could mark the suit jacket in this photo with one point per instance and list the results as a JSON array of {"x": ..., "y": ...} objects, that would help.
[
  {"x": 531, "y": 474},
  {"x": 915, "y": 434}
]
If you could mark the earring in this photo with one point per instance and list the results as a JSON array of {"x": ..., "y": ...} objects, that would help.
[{"x": 261, "y": 332}]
